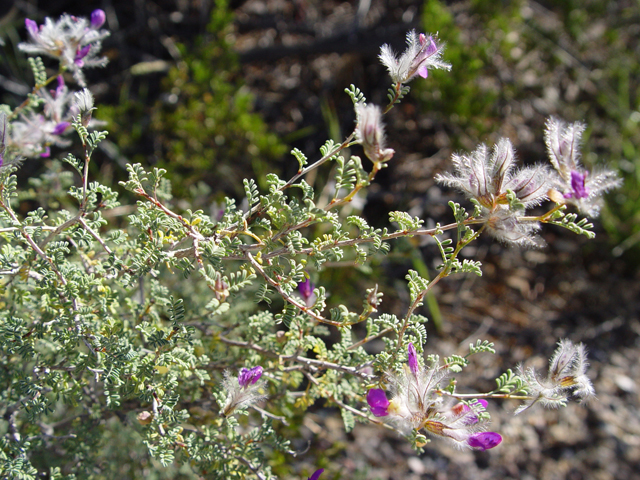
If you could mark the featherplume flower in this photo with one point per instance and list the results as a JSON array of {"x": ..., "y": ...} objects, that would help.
[
  {"x": 501, "y": 190},
  {"x": 572, "y": 181},
  {"x": 370, "y": 133},
  {"x": 566, "y": 377},
  {"x": 422, "y": 53},
  {"x": 32, "y": 133},
  {"x": 73, "y": 41},
  {"x": 243, "y": 391},
  {"x": 416, "y": 404}
]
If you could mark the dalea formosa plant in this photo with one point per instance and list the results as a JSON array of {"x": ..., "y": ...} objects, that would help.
[{"x": 205, "y": 335}]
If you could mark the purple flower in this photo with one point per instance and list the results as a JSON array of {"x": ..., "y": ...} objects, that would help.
[
  {"x": 32, "y": 27},
  {"x": 430, "y": 49},
  {"x": 578, "y": 188},
  {"x": 316, "y": 474},
  {"x": 98, "y": 18},
  {"x": 413, "y": 360},
  {"x": 249, "y": 376},
  {"x": 306, "y": 292},
  {"x": 573, "y": 183},
  {"x": 378, "y": 403},
  {"x": 60, "y": 128},
  {"x": 306, "y": 288},
  {"x": 46, "y": 153},
  {"x": 484, "y": 440},
  {"x": 74, "y": 42}
]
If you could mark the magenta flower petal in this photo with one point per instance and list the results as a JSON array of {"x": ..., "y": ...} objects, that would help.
[
  {"x": 306, "y": 288},
  {"x": 316, "y": 474},
  {"x": 484, "y": 441},
  {"x": 413, "y": 359},
  {"x": 378, "y": 403},
  {"x": 80, "y": 54},
  {"x": 60, "y": 128},
  {"x": 578, "y": 187},
  {"x": 249, "y": 376},
  {"x": 32, "y": 27}
]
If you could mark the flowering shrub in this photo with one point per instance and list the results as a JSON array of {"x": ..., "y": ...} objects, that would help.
[{"x": 95, "y": 323}]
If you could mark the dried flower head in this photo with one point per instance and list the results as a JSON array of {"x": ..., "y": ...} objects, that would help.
[
  {"x": 575, "y": 184},
  {"x": 417, "y": 404},
  {"x": 245, "y": 390},
  {"x": 370, "y": 133},
  {"x": 566, "y": 377},
  {"x": 422, "y": 53},
  {"x": 74, "y": 41}
]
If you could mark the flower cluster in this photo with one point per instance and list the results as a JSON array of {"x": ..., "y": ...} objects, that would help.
[
  {"x": 33, "y": 133},
  {"x": 566, "y": 377},
  {"x": 572, "y": 182},
  {"x": 416, "y": 405},
  {"x": 501, "y": 191},
  {"x": 422, "y": 53},
  {"x": 74, "y": 41},
  {"x": 246, "y": 389}
]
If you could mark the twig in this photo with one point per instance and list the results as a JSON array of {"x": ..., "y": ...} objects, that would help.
[
  {"x": 311, "y": 362},
  {"x": 303, "y": 308}
]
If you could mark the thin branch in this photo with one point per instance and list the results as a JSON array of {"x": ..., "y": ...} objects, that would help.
[
  {"x": 303, "y": 308},
  {"x": 310, "y": 362}
]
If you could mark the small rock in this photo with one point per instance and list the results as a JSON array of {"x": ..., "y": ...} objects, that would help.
[
  {"x": 625, "y": 383},
  {"x": 416, "y": 465}
]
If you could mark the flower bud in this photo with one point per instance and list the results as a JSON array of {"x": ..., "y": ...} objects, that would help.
[
  {"x": 221, "y": 289},
  {"x": 32, "y": 27},
  {"x": 98, "y": 18},
  {"x": 413, "y": 360},
  {"x": 84, "y": 102},
  {"x": 306, "y": 292},
  {"x": 370, "y": 133}
]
